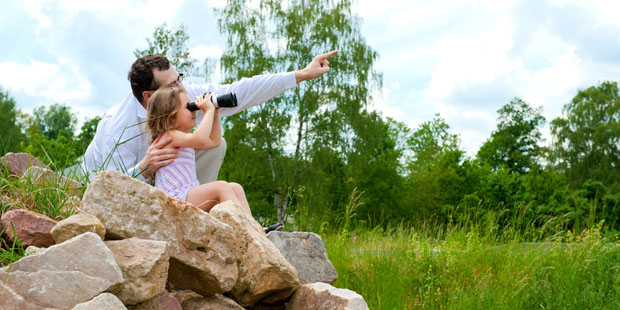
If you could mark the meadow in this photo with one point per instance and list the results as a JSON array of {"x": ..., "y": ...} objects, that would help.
[{"x": 458, "y": 267}]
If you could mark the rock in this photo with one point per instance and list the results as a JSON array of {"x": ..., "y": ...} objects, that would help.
[
  {"x": 20, "y": 162},
  {"x": 182, "y": 295},
  {"x": 105, "y": 301},
  {"x": 322, "y": 296},
  {"x": 9, "y": 299},
  {"x": 32, "y": 250},
  {"x": 163, "y": 301},
  {"x": 215, "y": 302},
  {"x": 30, "y": 227},
  {"x": 66, "y": 274},
  {"x": 306, "y": 251},
  {"x": 263, "y": 271},
  {"x": 202, "y": 250},
  {"x": 47, "y": 177},
  {"x": 144, "y": 264},
  {"x": 77, "y": 224}
]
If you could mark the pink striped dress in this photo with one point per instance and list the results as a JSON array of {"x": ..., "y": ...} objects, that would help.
[{"x": 179, "y": 177}]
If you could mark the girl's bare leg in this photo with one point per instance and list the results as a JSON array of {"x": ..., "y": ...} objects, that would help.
[
  {"x": 206, "y": 196},
  {"x": 240, "y": 193}
]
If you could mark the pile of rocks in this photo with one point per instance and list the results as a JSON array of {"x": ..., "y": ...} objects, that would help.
[{"x": 132, "y": 247}]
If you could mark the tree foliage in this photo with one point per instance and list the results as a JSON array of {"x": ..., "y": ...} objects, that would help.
[
  {"x": 10, "y": 125},
  {"x": 172, "y": 44},
  {"x": 319, "y": 116},
  {"x": 516, "y": 141},
  {"x": 587, "y": 136},
  {"x": 55, "y": 120}
]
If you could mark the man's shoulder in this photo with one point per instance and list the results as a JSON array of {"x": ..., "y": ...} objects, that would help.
[{"x": 122, "y": 117}]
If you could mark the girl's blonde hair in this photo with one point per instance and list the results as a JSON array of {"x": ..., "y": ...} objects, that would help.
[{"x": 162, "y": 110}]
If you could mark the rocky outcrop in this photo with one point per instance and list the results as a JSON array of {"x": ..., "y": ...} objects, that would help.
[
  {"x": 203, "y": 254},
  {"x": 322, "y": 296},
  {"x": 144, "y": 264},
  {"x": 75, "y": 225},
  {"x": 18, "y": 163},
  {"x": 105, "y": 301},
  {"x": 306, "y": 251},
  {"x": 65, "y": 275},
  {"x": 31, "y": 228},
  {"x": 263, "y": 271}
]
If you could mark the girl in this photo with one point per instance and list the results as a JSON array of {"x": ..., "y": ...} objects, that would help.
[{"x": 168, "y": 115}]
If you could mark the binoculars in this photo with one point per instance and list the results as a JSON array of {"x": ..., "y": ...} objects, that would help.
[{"x": 228, "y": 100}]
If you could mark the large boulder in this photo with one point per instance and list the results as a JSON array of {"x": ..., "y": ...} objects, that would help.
[
  {"x": 306, "y": 251},
  {"x": 31, "y": 228},
  {"x": 105, "y": 301},
  {"x": 144, "y": 264},
  {"x": 202, "y": 250},
  {"x": 66, "y": 274},
  {"x": 263, "y": 271},
  {"x": 18, "y": 163},
  {"x": 322, "y": 296},
  {"x": 9, "y": 299},
  {"x": 75, "y": 225}
]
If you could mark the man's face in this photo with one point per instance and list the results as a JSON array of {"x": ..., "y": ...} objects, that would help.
[{"x": 168, "y": 78}]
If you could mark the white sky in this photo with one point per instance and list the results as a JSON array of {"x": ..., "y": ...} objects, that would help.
[{"x": 463, "y": 59}]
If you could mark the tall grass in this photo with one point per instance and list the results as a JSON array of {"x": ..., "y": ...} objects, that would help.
[{"x": 458, "y": 268}]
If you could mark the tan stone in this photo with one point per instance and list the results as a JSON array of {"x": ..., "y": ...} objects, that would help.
[
  {"x": 105, "y": 301},
  {"x": 263, "y": 271},
  {"x": 9, "y": 299},
  {"x": 322, "y": 296},
  {"x": 215, "y": 302},
  {"x": 202, "y": 249},
  {"x": 75, "y": 225},
  {"x": 66, "y": 274},
  {"x": 144, "y": 264},
  {"x": 30, "y": 227},
  {"x": 163, "y": 301}
]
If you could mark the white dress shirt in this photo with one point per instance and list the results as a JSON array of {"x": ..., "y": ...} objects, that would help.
[{"x": 122, "y": 139}]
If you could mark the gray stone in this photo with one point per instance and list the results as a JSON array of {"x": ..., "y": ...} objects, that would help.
[
  {"x": 105, "y": 301},
  {"x": 322, "y": 296},
  {"x": 48, "y": 178},
  {"x": 306, "y": 251},
  {"x": 66, "y": 274},
  {"x": 144, "y": 264},
  {"x": 203, "y": 255}
]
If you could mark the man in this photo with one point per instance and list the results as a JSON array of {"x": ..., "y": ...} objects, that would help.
[{"x": 121, "y": 142}]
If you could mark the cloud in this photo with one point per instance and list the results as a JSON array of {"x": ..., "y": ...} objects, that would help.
[{"x": 57, "y": 82}]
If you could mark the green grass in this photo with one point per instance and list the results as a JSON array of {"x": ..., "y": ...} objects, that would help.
[{"x": 412, "y": 269}]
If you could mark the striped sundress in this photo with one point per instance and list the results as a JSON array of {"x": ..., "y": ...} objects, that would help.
[{"x": 179, "y": 177}]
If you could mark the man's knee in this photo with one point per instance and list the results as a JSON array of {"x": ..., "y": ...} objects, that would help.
[{"x": 209, "y": 162}]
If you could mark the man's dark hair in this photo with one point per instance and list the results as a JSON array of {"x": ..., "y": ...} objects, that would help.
[{"x": 141, "y": 74}]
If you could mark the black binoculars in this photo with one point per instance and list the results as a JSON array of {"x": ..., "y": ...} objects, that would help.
[{"x": 224, "y": 101}]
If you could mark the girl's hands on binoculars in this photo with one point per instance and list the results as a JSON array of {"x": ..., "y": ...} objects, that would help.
[{"x": 204, "y": 102}]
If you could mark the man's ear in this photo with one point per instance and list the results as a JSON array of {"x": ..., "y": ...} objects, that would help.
[{"x": 146, "y": 95}]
